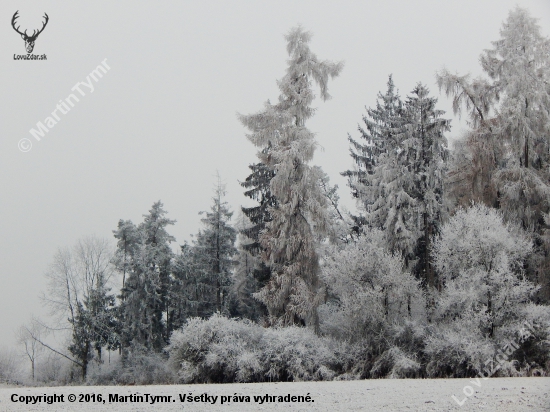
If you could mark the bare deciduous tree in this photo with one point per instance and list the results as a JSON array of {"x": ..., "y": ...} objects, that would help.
[
  {"x": 78, "y": 299},
  {"x": 29, "y": 336}
]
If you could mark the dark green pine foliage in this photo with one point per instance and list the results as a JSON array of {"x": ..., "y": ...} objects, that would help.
[
  {"x": 145, "y": 304},
  {"x": 124, "y": 261},
  {"x": 257, "y": 185},
  {"x": 127, "y": 241},
  {"x": 187, "y": 290},
  {"x": 210, "y": 260},
  {"x": 377, "y": 137},
  {"x": 81, "y": 345},
  {"x": 103, "y": 315},
  {"x": 92, "y": 313},
  {"x": 93, "y": 325},
  {"x": 399, "y": 181},
  {"x": 248, "y": 267},
  {"x": 424, "y": 150}
]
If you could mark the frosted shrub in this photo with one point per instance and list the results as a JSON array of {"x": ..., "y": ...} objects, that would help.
[
  {"x": 139, "y": 366},
  {"x": 366, "y": 286},
  {"x": 457, "y": 349},
  {"x": 485, "y": 297},
  {"x": 376, "y": 305},
  {"x": 534, "y": 353},
  {"x": 144, "y": 367},
  {"x": 10, "y": 367},
  {"x": 109, "y": 374},
  {"x": 297, "y": 354},
  {"x": 233, "y": 354},
  {"x": 395, "y": 364},
  {"x": 54, "y": 370},
  {"x": 230, "y": 350},
  {"x": 216, "y": 350}
]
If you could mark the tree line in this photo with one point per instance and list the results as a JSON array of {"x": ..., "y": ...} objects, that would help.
[{"x": 447, "y": 255}]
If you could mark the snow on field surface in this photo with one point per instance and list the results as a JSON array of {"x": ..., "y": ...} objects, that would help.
[{"x": 495, "y": 394}]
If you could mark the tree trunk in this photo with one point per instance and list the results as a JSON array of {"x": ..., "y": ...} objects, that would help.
[
  {"x": 316, "y": 327},
  {"x": 218, "y": 296},
  {"x": 490, "y": 310},
  {"x": 526, "y": 148},
  {"x": 218, "y": 263},
  {"x": 526, "y": 153},
  {"x": 428, "y": 228},
  {"x": 386, "y": 311},
  {"x": 85, "y": 361}
]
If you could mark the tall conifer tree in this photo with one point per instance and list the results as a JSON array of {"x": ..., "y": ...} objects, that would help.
[
  {"x": 145, "y": 296},
  {"x": 399, "y": 181},
  {"x": 212, "y": 255},
  {"x": 376, "y": 139},
  {"x": 424, "y": 151},
  {"x": 293, "y": 291}
]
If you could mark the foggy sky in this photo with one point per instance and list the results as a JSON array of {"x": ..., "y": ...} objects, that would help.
[{"x": 162, "y": 120}]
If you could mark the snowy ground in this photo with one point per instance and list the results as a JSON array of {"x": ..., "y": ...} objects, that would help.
[{"x": 495, "y": 394}]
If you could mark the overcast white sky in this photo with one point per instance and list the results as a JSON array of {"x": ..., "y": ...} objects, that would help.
[{"x": 163, "y": 119}]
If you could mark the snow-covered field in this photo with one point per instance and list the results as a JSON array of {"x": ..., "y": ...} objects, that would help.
[{"x": 495, "y": 394}]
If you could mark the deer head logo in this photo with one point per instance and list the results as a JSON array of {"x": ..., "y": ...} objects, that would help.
[{"x": 29, "y": 40}]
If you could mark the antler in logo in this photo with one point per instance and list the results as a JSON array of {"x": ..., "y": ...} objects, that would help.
[{"x": 29, "y": 40}]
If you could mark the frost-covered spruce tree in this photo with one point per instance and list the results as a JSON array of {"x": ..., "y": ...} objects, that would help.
[
  {"x": 213, "y": 250},
  {"x": 402, "y": 191},
  {"x": 424, "y": 152},
  {"x": 293, "y": 291},
  {"x": 145, "y": 303},
  {"x": 378, "y": 137},
  {"x": 519, "y": 67},
  {"x": 385, "y": 186},
  {"x": 126, "y": 235}
]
